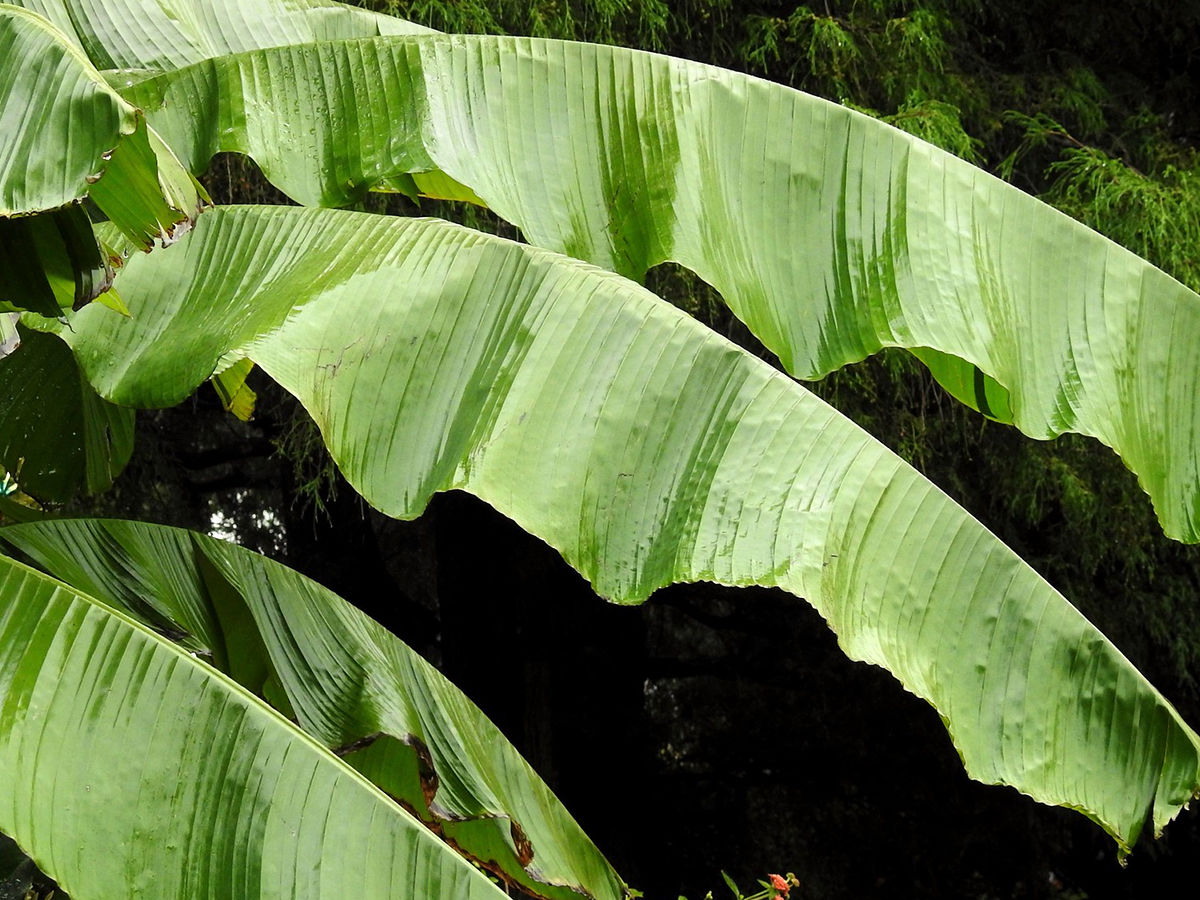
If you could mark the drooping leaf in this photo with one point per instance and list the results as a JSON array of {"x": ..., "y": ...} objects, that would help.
[
  {"x": 441, "y": 186},
  {"x": 53, "y": 97},
  {"x": 17, "y": 506},
  {"x": 829, "y": 233},
  {"x": 112, "y": 300},
  {"x": 647, "y": 450},
  {"x": 128, "y": 767},
  {"x": 57, "y": 437},
  {"x": 65, "y": 135},
  {"x": 344, "y": 679}
]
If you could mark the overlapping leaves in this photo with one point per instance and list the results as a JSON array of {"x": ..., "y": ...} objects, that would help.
[
  {"x": 644, "y": 448},
  {"x": 51, "y": 96},
  {"x": 648, "y": 451},
  {"x": 130, "y": 768},
  {"x": 365, "y": 695},
  {"x": 830, "y": 234},
  {"x": 140, "y": 36}
]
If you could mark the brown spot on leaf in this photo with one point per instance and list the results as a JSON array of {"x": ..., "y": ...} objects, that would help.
[
  {"x": 347, "y": 749},
  {"x": 425, "y": 770},
  {"x": 524, "y": 848}
]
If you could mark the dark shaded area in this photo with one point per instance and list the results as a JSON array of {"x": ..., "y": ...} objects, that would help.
[{"x": 20, "y": 879}]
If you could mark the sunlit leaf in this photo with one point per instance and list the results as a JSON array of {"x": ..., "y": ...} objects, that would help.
[
  {"x": 648, "y": 451},
  {"x": 165, "y": 34},
  {"x": 235, "y": 395},
  {"x": 10, "y": 337},
  {"x": 829, "y": 233}
]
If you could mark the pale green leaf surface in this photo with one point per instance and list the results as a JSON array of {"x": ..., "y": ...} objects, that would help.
[
  {"x": 40, "y": 169},
  {"x": 10, "y": 337},
  {"x": 347, "y": 682},
  {"x": 647, "y": 450},
  {"x": 167, "y": 34},
  {"x": 130, "y": 768},
  {"x": 829, "y": 233}
]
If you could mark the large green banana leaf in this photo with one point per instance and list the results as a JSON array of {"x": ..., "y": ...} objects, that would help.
[
  {"x": 647, "y": 450},
  {"x": 66, "y": 135},
  {"x": 829, "y": 233},
  {"x": 176, "y": 781},
  {"x": 642, "y": 497},
  {"x": 344, "y": 679}
]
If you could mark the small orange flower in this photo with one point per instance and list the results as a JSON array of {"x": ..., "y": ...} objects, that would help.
[{"x": 780, "y": 884}]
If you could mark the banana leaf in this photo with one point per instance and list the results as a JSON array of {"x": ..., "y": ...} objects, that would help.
[
  {"x": 829, "y": 233},
  {"x": 647, "y": 450},
  {"x": 129, "y": 767},
  {"x": 344, "y": 680},
  {"x": 235, "y": 395}
]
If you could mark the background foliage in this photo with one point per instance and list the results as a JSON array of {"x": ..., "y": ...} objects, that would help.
[{"x": 699, "y": 731}]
